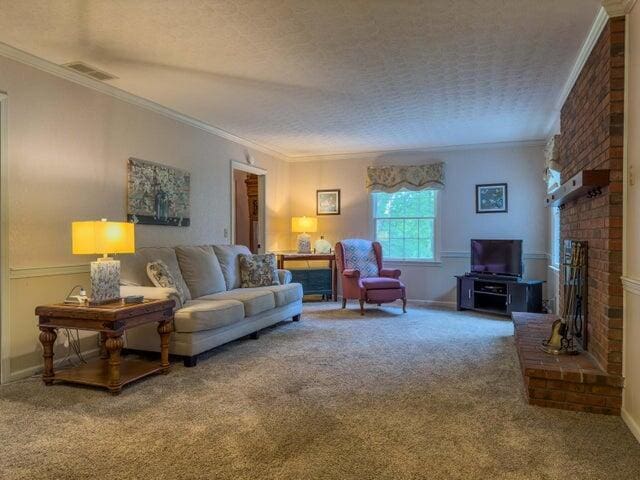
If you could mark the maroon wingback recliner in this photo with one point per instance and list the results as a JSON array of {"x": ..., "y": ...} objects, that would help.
[{"x": 363, "y": 278}]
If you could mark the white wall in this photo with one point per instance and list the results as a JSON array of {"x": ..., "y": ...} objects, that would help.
[
  {"x": 631, "y": 267},
  {"x": 68, "y": 147},
  {"x": 518, "y": 165}
]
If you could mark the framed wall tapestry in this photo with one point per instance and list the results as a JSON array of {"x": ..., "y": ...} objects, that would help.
[
  {"x": 492, "y": 198},
  {"x": 158, "y": 194},
  {"x": 328, "y": 202}
]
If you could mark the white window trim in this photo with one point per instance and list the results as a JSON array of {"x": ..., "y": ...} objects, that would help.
[
  {"x": 436, "y": 261},
  {"x": 552, "y": 261}
]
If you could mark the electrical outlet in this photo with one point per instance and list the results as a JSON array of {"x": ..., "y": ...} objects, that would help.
[{"x": 226, "y": 233}]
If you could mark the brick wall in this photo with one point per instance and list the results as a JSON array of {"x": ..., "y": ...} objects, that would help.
[{"x": 592, "y": 138}]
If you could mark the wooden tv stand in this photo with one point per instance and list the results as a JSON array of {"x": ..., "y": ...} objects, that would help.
[{"x": 498, "y": 295}]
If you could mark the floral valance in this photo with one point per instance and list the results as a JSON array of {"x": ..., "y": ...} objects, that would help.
[
  {"x": 392, "y": 178},
  {"x": 552, "y": 153}
]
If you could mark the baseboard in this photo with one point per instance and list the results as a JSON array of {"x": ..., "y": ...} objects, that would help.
[
  {"x": 30, "y": 371},
  {"x": 433, "y": 303},
  {"x": 631, "y": 423},
  {"x": 425, "y": 303}
]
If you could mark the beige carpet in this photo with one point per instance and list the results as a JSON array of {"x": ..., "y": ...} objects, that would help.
[{"x": 433, "y": 394}]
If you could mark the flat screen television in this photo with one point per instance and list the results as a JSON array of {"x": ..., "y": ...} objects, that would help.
[{"x": 497, "y": 257}]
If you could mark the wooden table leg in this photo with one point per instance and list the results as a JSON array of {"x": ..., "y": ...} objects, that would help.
[
  {"x": 165, "y": 328},
  {"x": 114, "y": 346},
  {"x": 47, "y": 338},
  {"x": 103, "y": 349}
]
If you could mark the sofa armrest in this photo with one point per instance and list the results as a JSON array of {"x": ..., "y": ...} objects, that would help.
[
  {"x": 154, "y": 293},
  {"x": 284, "y": 276},
  {"x": 351, "y": 273},
  {"x": 390, "y": 273}
]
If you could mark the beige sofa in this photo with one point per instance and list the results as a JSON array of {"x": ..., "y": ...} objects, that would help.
[{"x": 216, "y": 309}]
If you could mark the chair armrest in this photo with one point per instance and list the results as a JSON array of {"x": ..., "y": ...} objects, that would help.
[
  {"x": 154, "y": 293},
  {"x": 284, "y": 276},
  {"x": 390, "y": 273},
  {"x": 351, "y": 273}
]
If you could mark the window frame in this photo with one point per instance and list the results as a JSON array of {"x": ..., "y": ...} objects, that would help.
[
  {"x": 436, "y": 261},
  {"x": 555, "y": 235}
]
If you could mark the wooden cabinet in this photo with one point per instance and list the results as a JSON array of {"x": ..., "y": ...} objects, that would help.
[
  {"x": 315, "y": 281},
  {"x": 465, "y": 293},
  {"x": 498, "y": 295}
]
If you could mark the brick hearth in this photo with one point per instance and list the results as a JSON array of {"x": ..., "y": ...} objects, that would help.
[{"x": 570, "y": 382}]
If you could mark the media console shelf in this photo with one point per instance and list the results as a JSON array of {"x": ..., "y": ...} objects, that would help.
[{"x": 498, "y": 295}]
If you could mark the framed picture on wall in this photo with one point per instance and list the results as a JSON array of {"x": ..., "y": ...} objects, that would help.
[
  {"x": 492, "y": 198},
  {"x": 328, "y": 202}
]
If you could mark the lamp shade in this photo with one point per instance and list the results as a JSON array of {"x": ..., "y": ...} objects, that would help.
[
  {"x": 102, "y": 237},
  {"x": 304, "y": 224}
]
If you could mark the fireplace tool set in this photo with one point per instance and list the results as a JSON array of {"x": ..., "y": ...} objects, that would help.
[{"x": 568, "y": 333}]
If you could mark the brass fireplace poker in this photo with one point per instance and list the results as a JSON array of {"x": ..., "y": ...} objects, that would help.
[{"x": 570, "y": 326}]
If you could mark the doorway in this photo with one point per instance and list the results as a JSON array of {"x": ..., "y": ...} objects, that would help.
[{"x": 247, "y": 207}]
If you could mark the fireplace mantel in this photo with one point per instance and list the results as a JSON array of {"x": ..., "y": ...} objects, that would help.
[{"x": 579, "y": 185}]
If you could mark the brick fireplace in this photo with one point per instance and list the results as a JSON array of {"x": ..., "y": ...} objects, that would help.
[{"x": 591, "y": 138}]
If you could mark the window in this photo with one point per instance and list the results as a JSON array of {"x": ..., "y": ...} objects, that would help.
[
  {"x": 405, "y": 224},
  {"x": 555, "y": 237},
  {"x": 553, "y": 182}
]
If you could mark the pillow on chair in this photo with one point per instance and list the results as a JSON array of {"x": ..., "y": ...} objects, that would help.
[{"x": 258, "y": 270}]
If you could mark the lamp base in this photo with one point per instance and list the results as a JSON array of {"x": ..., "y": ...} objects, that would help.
[
  {"x": 304, "y": 243},
  {"x": 105, "y": 282}
]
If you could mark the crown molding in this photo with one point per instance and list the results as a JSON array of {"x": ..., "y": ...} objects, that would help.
[
  {"x": 448, "y": 148},
  {"x": 631, "y": 285},
  {"x": 592, "y": 37},
  {"x": 618, "y": 8},
  {"x": 62, "y": 72}
]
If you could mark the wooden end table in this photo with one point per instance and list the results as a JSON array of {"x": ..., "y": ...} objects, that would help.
[
  {"x": 110, "y": 321},
  {"x": 330, "y": 257}
]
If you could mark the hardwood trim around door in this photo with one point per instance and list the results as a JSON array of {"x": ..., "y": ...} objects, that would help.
[
  {"x": 262, "y": 188},
  {"x": 4, "y": 246}
]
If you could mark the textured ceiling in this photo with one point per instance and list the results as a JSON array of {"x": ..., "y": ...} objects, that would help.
[{"x": 326, "y": 76}]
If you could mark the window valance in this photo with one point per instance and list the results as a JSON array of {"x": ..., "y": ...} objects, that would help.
[{"x": 393, "y": 178}]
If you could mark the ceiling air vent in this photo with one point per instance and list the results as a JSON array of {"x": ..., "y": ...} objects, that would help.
[{"x": 89, "y": 71}]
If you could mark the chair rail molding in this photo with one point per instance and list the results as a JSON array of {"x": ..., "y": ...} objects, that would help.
[
  {"x": 47, "y": 271},
  {"x": 618, "y": 8},
  {"x": 631, "y": 285}
]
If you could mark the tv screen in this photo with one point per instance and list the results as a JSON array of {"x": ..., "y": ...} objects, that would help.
[{"x": 497, "y": 257}]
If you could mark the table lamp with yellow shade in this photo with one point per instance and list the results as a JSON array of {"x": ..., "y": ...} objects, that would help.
[
  {"x": 102, "y": 237},
  {"x": 304, "y": 226}
]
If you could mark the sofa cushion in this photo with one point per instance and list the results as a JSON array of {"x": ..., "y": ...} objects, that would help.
[
  {"x": 258, "y": 270},
  {"x": 286, "y": 294},
  {"x": 133, "y": 268},
  {"x": 199, "y": 315},
  {"x": 381, "y": 283},
  {"x": 230, "y": 263},
  {"x": 201, "y": 270},
  {"x": 255, "y": 300}
]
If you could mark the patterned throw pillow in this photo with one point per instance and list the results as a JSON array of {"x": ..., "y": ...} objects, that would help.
[
  {"x": 161, "y": 276},
  {"x": 359, "y": 255},
  {"x": 258, "y": 270}
]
